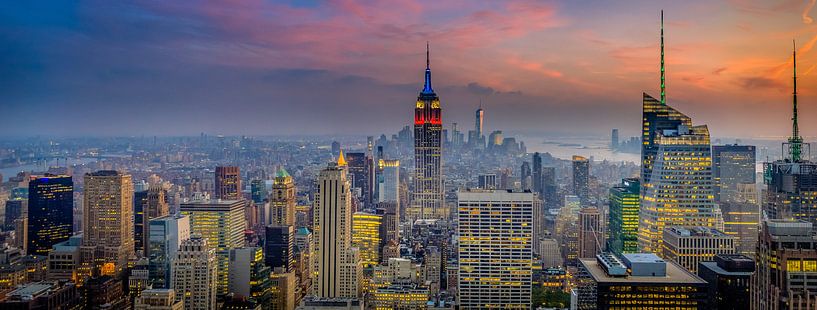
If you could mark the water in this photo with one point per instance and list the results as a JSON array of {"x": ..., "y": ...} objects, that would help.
[
  {"x": 43, "y": 166},
  {"x": 565, "y": 148}
]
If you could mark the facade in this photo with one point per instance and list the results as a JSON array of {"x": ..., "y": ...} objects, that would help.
[
  {"x": 495, "y": 235},
  {"x": 400, "y": 297},
  {"x": 195, "y": 274},
  {"x": 786, "y": 262},
  {"x": 43, "y": 295},
  {"x": 165, "y": 235},
  {"x": 158, "y": 299},
  {"x": 390, "y": 224},
  {"x": 549, "y": 187},
  {"x": 591, "y": 236},
  {"x": 249, "y": 276},
  {"x": 228, "y": 183},
  {"x": 551, "y": 255},
  {"x": 732, "y": 165},
  {"x": 283, "y": 200},
  {"x": 428, "y": 160},
  {"x": 336, "y": 270},
  {"x": 389, "y": 180},
  {"x": 366, "y": 228},
  {"x": 279, "y": 246},
  {"x": 623, "y": 220},
  {"x": 107, "y": 238},
  {"x": 637, "y": 281},
  {"x": 64, "y": 259},
  {"x": 688, "y": 246},
  {"x": 581, "y": 177},
  {"x": 50, "y": 212},
  {"x": 729, "y": 277},
  {"x": 222, "y": 223},
  {"x": 282, "y": 289},
  {"x": 680, "y": 188},
  {"x": 537, "y": 173},
  {"x": 487, "y": 181},
  {"x": 147, "y": 205}
]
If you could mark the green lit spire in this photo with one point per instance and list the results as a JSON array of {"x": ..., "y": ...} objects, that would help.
[
  {"x": 663, "y": 73},
  {"x": 795, "y": 141}
]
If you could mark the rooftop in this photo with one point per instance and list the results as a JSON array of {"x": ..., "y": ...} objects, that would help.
[
  {"x": 675, "y": 274},
  {"x": 696, "y": 231}
]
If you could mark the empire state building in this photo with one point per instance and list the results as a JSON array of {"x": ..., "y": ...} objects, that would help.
[{"x": 428, "y": 182}]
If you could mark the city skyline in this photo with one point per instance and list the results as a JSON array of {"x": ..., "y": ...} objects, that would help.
[{"x": 537, "y": 67}]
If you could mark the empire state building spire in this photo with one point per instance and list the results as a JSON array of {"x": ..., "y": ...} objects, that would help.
[{"x": 427, "y": 87}]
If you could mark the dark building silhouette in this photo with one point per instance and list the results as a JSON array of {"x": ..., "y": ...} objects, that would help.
[
  {"x": 50, "y": 212},
  {"x": 729, "y": 278},
  {"x": 279, "y": 245}
]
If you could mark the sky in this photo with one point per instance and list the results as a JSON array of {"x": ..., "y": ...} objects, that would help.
[{"x": 355, "y": 67}]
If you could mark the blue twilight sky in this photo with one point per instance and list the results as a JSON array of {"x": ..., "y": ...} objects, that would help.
[{"x": 355, "y": 67}]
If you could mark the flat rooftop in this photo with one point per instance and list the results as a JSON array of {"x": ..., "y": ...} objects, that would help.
[{"x": 675, "y": 275}]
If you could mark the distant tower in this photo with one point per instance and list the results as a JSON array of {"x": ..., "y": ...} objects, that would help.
[
  {"x": 478, "y": 121},
  {"x": 581, "y": 177},
  {"x": 428, "y": 182},
  {"x": 537, "y": 173},
  {"x": 614, "y": 139},
  {"x": 228, "y": 183}
]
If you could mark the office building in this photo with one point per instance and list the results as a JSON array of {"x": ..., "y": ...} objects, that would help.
[
  {"x": 283, "y": 287},
  {"x": 487, "y": 181},
  {"x": 389, "y": 180},
  {"x": 537, "y": 173},
  {"x": 428, "y": 171},
  {"x": 623, "y": 220},
  {"x": 107, "y": 238},
  {"x": 16, "y": 208},
  {"x": 330, "y": 304},
  {"x": 249, "y": 276},
  {"x": 614, "y": 139},
  {"x": 222, "y": 223},
  {"x": 228, "y": 183},
  {"x": 43, "y": 295},
  {"x": 195, "y": 274},
  {"x": 336, "y": 270},
  {"x": 525, "y": 177},
  {"x": 729, "y": 280},
  {"x": 279, "y": 247},
  {"x": 258, "y": 191},
  {"x": 786, "y": 262},
  {"x": 165, "y": 235},
  {"x": 105, "y": 292},
  {"x": 147, "y": 205},
  {"x": 688, "y": 246},
  {"x": 158, "y": 299},
  {"x": 591, "y": 236},
  {"x": 390, "y": 223},
  {"x": 366, "y": 228},
  {"x": 581, "y": 177},
  {"x": 732, "y": 165},
  {"x": 551, "y": 255},
  {"x": 64, "y": 259},
  {"x": 495, "y": 234},
  {"x": 400, "y": 297},
  {"x": 637, "y": 281},
  {"x": 357, "y": 167},
  {"x": 283, "y": 200},
  {"x": 549, "y": 188},
  {"x": 50, "y": 212}
]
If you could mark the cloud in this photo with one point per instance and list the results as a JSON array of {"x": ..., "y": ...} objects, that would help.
[
  {"x": 807, "y": 19},
  {"x": 479, "y": 90},
  {"x": 759, "y": 83}
]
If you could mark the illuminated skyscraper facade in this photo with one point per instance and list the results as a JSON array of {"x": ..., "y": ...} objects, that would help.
[
  {"x": 623, "y": 222},
  {"x": 733, "y": 169},
  {"x": 107, "y": 238},
  {"x": 495, "y": 249},
  {"x": 428, "y": 171},
  {"x": 366, "y": 228},
  {"x": 228, "y": 183},
  {"x": 786, "y": 263},
  {"x": 336, "y": 269},
  {"x": 283, "y": 200},
  {"x": 50, "y": 212}
]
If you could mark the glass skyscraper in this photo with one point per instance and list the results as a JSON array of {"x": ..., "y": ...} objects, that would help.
[
  {"x": 624, "y": 207},
  {"x": 50, "y": 212}
]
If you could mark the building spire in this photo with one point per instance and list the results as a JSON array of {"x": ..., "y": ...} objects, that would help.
[
  {"x": 663, "y": 73},
  {"x": 341, "y": 159},
  {"x": 427, "y": 87},
  {"x": 795, "y": 141}
]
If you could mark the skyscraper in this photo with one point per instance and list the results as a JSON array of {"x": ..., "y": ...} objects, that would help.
[
  {"x": 614, "y": 139},
  {"x": 525, "y": 177},
  {"x": 279, "y": 246},
  {"x": 729, "y": 277},
  {"x": 591, "y": 236},
  {"x": 537, "y": 173},
  {"x": 228, "y": 182},
  {"x": 336, "y": 268},
  {"x": 222, "y": 223},
  {"x": 549, "y": 193},
  {"x": 428, "y": 170},
  {"x": 495, "y": 236},
  {"x": 165, "y": 235},
  {"x": 487, "y": 181},
  {"x": 689, "y": 246},
  {"x": 147, "y": 205},
  {"x": 676, "y": 171},
  {"x": 479, "y": 121},
  {"x": 786, "y": 264},
  {"x": 249, "y": 276},
  {"x": 50, "y": 212},
  {"x": 733, "y": 169},
  {"x": 283, "y": 200},
  {"x": 389, "y": 181},
  {"x": 357, "y": 172},
  {"x": 791, "y": 191},
  {"x": 366, "y": 228},
  {"x": 581, "y": 177},
  {"x": 195, "y": 274},
  {"x": 107, "y": 238},
  {"x": 623, "y": 222}
]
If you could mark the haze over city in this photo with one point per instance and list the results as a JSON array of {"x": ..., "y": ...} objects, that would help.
[{"x": 349, "y": 67}]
